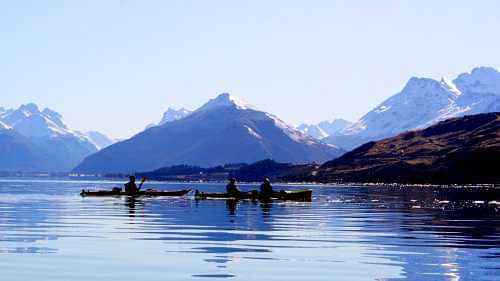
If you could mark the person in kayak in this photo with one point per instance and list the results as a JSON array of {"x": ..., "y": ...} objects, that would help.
[
  {"x": 266, "y": 189},
  {"x": 131, "y": 188},
  {"x": 232, "y": 188}
]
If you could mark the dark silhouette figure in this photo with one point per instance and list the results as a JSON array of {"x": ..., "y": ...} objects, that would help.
[
  {"x": 266, "y": 189},
  {"x": 232, "y": 188},
  {"x": 131, "y": 188}
]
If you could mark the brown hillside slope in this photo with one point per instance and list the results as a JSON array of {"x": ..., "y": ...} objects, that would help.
[{"x": 458, "y": 150}]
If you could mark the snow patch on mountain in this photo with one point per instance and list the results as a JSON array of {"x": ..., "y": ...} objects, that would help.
[
  {"x": 173, "y": 115},
  {"x": 100, "y": 140},
  {"x": 291, "y": 132},
  {"x": 312, "y": 130},
  {"x": 4, "y": 126},
  {"x": 450, "y": 87},
  {"x": 253, "y": 133},
  {"x": 382, "y": 108},
  {"x": 225, "y": 100}
]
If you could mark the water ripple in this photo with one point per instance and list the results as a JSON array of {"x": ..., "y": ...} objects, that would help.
[{"x": 359, "y": 233}]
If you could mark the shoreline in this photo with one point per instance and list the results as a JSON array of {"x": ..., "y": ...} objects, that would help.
[{"x": 331, "y": 184}]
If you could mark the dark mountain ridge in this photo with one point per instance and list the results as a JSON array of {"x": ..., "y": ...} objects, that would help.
[{"x": 457, "y": 150}]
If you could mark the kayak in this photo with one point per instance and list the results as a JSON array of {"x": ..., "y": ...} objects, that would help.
[
  {"x": 148, "y": 192},
  {"x": 290, "y": 195}
]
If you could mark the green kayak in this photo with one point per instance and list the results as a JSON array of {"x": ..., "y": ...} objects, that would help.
[{"x": 288, "y": 195}]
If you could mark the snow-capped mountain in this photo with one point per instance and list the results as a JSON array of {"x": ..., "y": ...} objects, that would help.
[
  {"x": 29, "y": 121},
  {"x": 325, "y": 128},
  {"x": 313, "y": 130},
  {"x": 422, "y": 103},
  {"x": 485, "y": 80},
  {"x": 171, "y": 115},
  {"x": 480, "y": 91},
  {"x": 334, "y": 126},
  {"x": 224, "y": 130},
  {"x": 100, "y": 140},
  {"x": 45, "y": 133},
  {"x": 226, "y": 100}
]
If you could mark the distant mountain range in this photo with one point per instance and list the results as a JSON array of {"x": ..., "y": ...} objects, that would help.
[
  {"x": 35, "y": 140},
  {"x": 324, "y": 129},
  {"x": 424, "y": 102},
  {"x": 458, "y": 150},
  {"x": 464, "y": 150},
  {"x": 227, "y": 130},
  {"x": 224, "y": 130}
]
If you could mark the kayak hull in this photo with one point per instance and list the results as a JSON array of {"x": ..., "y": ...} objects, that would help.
[
  {"x": 289, "y": 195},
  {"x": 152, "y": 193}
]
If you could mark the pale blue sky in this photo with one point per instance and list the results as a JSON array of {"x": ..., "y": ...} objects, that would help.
[{"x": 115, "y": 66}]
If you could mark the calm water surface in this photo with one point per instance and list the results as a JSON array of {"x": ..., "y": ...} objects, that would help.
[{"x": 49, "y": 232}]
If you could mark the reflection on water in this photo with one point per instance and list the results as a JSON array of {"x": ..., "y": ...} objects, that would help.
[{"x": 48, "y": 232}]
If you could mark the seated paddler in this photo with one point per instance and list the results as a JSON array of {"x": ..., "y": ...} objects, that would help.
[
  {"x": 266, "y": 189},
  {"x": 131, "y": 187},
  {"x": 232, "y": 188}
]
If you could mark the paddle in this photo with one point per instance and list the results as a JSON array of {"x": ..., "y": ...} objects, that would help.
[{"x": 142, "y": 182}]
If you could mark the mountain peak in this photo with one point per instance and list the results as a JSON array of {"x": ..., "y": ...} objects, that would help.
[
  {"x": 335, "y": 120},
  {"x": 29, "y": 108},
  {"x": 424, "y": 88},
  {"x": 173, "y": 114},
  {"x": 480, "y": 80},
  {"x": 172, "y": 110},
  {"x": 29, "y": 121},
  {"x": 419, "y": 83},
  {"x": 325, "y": 128},
  {"x": 484, "y": 70},
  {"x": 226, "y": 100},
  {"x": 480, "y": 73}
]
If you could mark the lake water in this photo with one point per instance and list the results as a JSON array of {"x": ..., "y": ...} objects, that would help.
[{"x": 49, "y": 232}]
